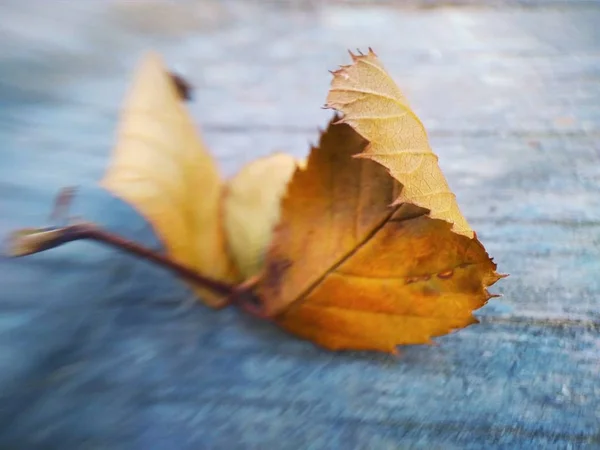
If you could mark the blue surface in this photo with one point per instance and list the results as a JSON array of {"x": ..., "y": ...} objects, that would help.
[{"x": 99, "y": 350}]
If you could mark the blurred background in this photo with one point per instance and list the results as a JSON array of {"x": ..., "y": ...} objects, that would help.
[{"x": 96, "y": 350}]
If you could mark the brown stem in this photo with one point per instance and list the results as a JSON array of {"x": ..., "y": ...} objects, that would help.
[
  {"x": 244, "y": 298},
  {"x": 28, "y": 241},
  {"x": 184, "y": 88},
  {"x": 34, "y": 240}
]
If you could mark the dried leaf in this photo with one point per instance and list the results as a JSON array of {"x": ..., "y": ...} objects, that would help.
[
  {"x": 251, "y": 207},
  {"x": 348, "y": 271},
  {"x": 160, "y": 166},
  {"x": 370, "y": 250},
  {"x": 372, "y": 104}
]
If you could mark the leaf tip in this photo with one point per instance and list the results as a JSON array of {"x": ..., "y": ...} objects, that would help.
[
  {"x": 493, "y": 278},
  {"x": 359, "y": 54},
  {"x": 341, "y": 72},
  {"x": 472, "y": 321},
  {"x": 395, "y": 352},
  {"x": 183, "y": 87}
]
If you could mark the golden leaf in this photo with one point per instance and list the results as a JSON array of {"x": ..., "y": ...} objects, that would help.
[
  {"x": 251, "y": 207},
  {"x": 348, "y": 271},
  {"x": 370, "y": 250},
  {"x": 372, "y": 104},
  {"x": 160, "y": 166}
]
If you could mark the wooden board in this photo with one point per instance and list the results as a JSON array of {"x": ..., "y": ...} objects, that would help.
[{"x": 99, "y": 350}]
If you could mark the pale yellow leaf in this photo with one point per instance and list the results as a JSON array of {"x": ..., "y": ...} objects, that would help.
[
  {"x": 252, "y": 206},
  {"x": 372, "y": 104},
  {"x": 161, "y": 167}
]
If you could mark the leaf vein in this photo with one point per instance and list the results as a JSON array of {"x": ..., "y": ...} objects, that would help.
[
  {"x": 372, "y": 93},
  {"x": 302, "y": 296}
]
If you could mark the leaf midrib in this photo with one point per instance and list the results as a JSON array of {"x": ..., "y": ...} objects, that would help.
[{"x": 306, "y": 292}]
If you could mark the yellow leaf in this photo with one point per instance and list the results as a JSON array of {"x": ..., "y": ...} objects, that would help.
[
  {"x": 252, "y": 204},
  {"x": 161, "y": 167},
  {"x": 348, "y": 271},
  {"x": 372, "y": 104}
]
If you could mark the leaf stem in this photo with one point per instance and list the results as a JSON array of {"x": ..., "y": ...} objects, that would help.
[
  {"x": 28, "y": 241},
  {"x": 34, "y": 240},
  {"x": 244, "y": 298}
]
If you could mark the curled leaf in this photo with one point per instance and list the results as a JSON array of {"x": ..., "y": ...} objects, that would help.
[
  {"x": 372, "y": 104},
  {"x": 161, "y": 167},
  {"x": 348, "y": 271}
]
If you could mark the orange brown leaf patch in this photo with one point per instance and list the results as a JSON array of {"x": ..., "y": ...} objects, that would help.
[{"x": 348, "y": 271}]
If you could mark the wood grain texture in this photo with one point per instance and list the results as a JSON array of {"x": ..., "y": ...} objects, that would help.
[{"x": 98, "y": 350}]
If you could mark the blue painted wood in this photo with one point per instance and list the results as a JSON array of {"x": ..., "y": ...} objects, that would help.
[{"x": 100, "y": 350}]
